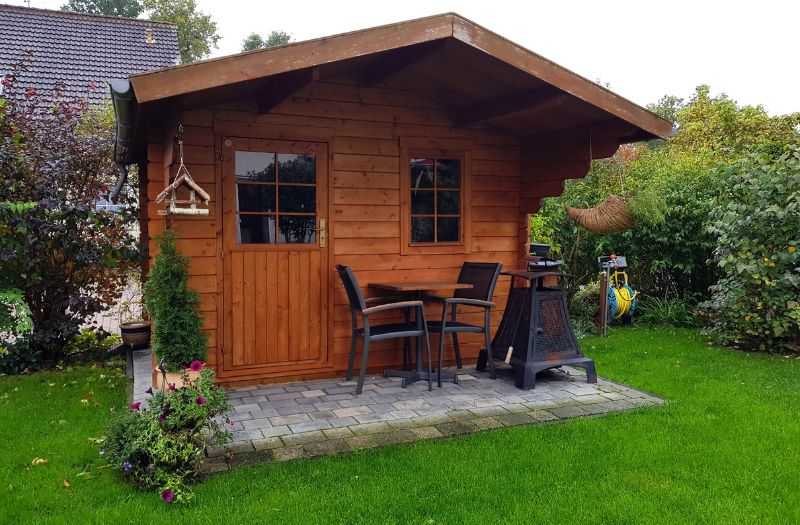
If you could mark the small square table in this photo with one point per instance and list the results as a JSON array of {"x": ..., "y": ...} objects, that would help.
[{"x": 417, "y": 289}]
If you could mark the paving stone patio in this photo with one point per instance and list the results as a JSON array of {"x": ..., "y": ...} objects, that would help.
[{"x": 282, "y": 422}]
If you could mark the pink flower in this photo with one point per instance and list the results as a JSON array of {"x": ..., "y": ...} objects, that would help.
[
  {"x": 200, "y": 400},
  {"x": 196, "y": 366},
  {"x": 171, "y": 386},
  {"x": 136, "y": 405},
  {"x": 167, "y": 495}
]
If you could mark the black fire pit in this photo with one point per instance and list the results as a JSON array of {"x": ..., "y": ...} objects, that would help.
[{"x": 535, "y": 333}]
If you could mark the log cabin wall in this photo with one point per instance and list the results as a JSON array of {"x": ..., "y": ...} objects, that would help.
[{"x": 364, "y": 129}]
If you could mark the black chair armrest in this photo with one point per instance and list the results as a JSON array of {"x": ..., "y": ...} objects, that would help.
[
  {"x": 469, "y": 302},
  {"x": 391, "y": 306}
]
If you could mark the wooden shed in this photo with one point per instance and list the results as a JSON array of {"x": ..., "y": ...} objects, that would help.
[{"x": 401, "y": 151}]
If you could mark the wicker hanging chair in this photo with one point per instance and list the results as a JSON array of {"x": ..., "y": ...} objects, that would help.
[{"x": 610, "y": 216}]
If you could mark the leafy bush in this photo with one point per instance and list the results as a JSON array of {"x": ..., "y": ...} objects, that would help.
[
  {"x": 667, "y": 311},
  {"x": 66, "y": 257},
  {"x": 159, "y": 447},
  {"x": 90, "y": 341},
  {"x": 756, "y": 303},
  {"x": 178, "y": 338}
]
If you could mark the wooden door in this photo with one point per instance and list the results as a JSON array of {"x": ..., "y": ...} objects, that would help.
[{"x": 275, "y": 262}]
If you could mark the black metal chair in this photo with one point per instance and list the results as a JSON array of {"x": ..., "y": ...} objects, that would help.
[
  {"x": 379, "y": 332},
  {"x": 483, "y": 278}
]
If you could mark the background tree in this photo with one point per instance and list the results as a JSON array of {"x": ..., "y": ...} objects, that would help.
[
  {"x": 197, "y": 32},
  {"x": 274, "y": 38},
  {"x": 120, "y": 8}
]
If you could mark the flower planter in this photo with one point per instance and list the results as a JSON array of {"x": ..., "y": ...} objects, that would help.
[
  {"x": 173, "y": 378},
  {"x": 135, "y": 333}
]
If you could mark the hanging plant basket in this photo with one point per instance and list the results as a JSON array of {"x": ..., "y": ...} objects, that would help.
[{"x": 610, "y": 216}]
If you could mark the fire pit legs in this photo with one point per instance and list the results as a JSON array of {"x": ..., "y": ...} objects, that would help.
[{"x": 536, "y": 332}]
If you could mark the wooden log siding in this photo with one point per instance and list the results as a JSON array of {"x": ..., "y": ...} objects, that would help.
[{"x": 363, "y": 127}]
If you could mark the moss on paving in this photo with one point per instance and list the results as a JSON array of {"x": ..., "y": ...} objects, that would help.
[{"x": 725, "y": 449}]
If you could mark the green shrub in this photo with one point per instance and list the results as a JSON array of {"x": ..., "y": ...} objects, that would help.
[
  {"x": 658, "y": 311},
  {"x": 178, "y": 338},
  {"x": 89, "y": 341},
  {"x": 159, "y": 447},
  {"x": 756, "y": 303}
]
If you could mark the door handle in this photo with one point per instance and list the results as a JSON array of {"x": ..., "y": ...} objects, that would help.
[{"x": 323, "y": 233}]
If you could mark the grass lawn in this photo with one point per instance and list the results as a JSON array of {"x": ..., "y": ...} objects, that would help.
[{"x": 725, "y": 449}]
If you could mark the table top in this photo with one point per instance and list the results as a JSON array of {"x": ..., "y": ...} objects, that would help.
[{"x": 419, "y": 286}]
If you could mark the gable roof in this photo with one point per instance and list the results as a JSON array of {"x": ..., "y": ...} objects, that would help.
[
  {"x": 533, "y": 80},
  {"x": 82, "y": 50}
]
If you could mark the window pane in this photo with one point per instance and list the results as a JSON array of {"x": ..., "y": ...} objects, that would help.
[
  {"x": 448, "y": 202},
  {"x": 297, "y": 199},
  {"x": 422, "y": 229},
  {"x": 449, "y": 173},
  {"x": 256, "y": 229},
  {"x": 297, "y": 168},
  {"x": 297, "y": 230},
  {"x": 256, "y": 197},
  {"x": 447, "y": 229},
  {"x": 421, "y": 173},
  {"x": 255, "y": 166},
  {"x": 422, "y": 202}
]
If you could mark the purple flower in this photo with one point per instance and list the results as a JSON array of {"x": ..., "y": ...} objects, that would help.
[
  {"x": 162, "y": 417},
  {"x": 200, "y": 400},
  {"x": 136, "y": 405},
  {"x": 171, "y": 386},
  {"x": 126, "y": 465},
  {"x": 196, "y": 366},
  {"x": 149, "y": 391},
  {"x": 167, "y": 495},
  {"x": 151, "y": 468}
]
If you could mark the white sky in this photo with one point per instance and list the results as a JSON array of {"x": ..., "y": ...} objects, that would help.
[{"x": 644, "y": 49}]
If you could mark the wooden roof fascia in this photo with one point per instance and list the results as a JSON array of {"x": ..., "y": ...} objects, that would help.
[
  {"x": 538, "y": 98},
  {"x": 187, "y": 78},
  {"x": 526, "y": 60}
]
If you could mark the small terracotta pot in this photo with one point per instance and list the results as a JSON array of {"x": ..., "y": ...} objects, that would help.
[{"x": 173, "y": 378}]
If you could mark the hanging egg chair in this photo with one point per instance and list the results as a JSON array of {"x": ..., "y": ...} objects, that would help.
[{"x": 610, "y": 216}]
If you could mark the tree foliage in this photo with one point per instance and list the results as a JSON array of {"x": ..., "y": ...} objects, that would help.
[
  {"x": 178, "y": 338},
  {"x": 756, "y": 303},
  {"x": 68, "y": 258},
  {"x": 274, "y": 38},
  {"x": 119, "y": 8},
  {"x": 197, "y": 32}
]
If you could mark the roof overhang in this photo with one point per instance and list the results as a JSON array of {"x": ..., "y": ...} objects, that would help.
[{"x": 534, "y": 87}]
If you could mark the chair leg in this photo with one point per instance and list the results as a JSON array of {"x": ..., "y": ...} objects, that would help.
[
  {"x": 442, "y": 337},
  {"x": 457, "y": 350},
  {"x": 363, "y": 371},
  {"x": 351, "y": 359},
  {"x": 489, "y": 354},
  {"x": 428, "y": 348}
]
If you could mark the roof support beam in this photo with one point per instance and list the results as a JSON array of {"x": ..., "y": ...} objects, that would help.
[
  {"x": 539, "y": 98},
  {"x": 284, "y": 86},
  {"x": 399, "y": 60}
]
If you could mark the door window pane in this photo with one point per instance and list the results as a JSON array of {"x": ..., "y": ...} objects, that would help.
[
  {"x": 448, "y": 173},
  {"x": 422, "y": 173},
  {"x": 295, "y": 229},
  {"x": 297, "y": 168},
  {"x": 297, "y": 199},
  {"x": 255, "y": 166},
  {"x": 422, "y": 202},
  {"x": 256, "y": 197},
  {"x": 448, "y": 203},
  {"x": 256, "y": 229}
]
